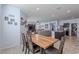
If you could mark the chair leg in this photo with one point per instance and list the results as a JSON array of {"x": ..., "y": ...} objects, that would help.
[
  {"x": 43, "y": 51},
  {"x": 23, "y": 48},
  {"x": 26, "y": 49}
]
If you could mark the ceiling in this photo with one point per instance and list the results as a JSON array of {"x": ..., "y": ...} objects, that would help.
[{"x": 48, "y": 12}]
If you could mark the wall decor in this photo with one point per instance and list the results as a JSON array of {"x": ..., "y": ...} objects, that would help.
[
  {"x": 23, "y": 21},
  {"x": 9, "y": 22},
  {"x": 6, "y": 18},
  {"x": 46, "y": 25},
  {"x": 12, "y": 20},
  {"x": 15, "y": 23}
]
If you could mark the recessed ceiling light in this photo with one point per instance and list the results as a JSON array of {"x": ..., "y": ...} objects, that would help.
[
  {"x": 37, "y": 9},
  {"x": 68, "y": 11}
]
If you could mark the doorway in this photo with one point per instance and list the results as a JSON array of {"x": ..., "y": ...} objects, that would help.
[
  {"x": 74, "y": 29},
  {"x": 66, "y": 25}
]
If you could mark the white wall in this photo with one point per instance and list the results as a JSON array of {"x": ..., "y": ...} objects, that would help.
[
  {"x": 0, "y": 26},
  {"x": 10, "y": 32},
  {"x": 0, "y": 22}
]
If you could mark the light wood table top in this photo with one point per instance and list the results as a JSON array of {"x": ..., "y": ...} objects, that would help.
[{"x": 43, "y": 41}]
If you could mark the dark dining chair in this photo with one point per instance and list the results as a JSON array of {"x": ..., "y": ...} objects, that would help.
[
  {"x": 53, "y": 50},
  {"x": 59, "y": 35},
  {"x": 24, "y": 43},
  {"x": 31, "y": 46}
]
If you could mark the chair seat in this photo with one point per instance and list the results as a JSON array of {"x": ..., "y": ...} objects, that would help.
[{"x": 52, "y": 50}]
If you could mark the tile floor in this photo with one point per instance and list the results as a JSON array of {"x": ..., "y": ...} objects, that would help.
[{"x": 71, "y": 47}]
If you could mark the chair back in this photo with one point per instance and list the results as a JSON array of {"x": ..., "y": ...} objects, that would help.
[
  {"x": 59, "y": 35},
  {"x": 29, "y": 40},
  {"x": 24, "y": 39},
  {"x": 62, "y": 41}
]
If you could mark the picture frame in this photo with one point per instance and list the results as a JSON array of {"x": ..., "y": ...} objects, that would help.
[
  {"x": 46, "y": 25},
  {"x": 6, "y": 18},
  {"x": 12, "y": 20},
  {"x": 9, "y": 22},
  {"x": 11, "y": 15},
  {"x": 15, "y": 23}
]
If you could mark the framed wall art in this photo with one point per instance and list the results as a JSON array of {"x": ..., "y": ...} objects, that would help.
[
  {"x": 15, "y": 23},
  {"x": 9, "y": 22},
  {"x": 6, "y": 18}
]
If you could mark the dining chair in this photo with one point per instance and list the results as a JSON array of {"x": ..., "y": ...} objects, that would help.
[
  {"x": 59, "y": 35},
  {"x": 24, "y": 43},
  {"x": 31, "y": 46},
  {"x": 53, "y": 50}
]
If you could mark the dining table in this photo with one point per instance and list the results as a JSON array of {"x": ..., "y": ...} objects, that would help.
[{"x": 43, "y": 41}]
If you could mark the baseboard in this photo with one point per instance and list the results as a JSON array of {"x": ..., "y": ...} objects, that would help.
[{"x": 8, "y": 47}]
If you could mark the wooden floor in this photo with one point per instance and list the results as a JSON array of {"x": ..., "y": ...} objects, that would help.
[{"x": 71, "y": 47}]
